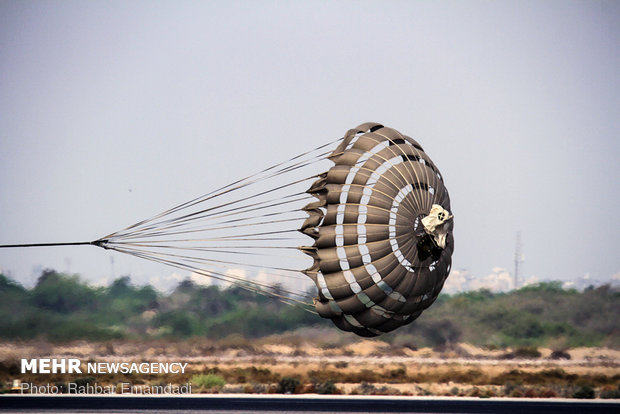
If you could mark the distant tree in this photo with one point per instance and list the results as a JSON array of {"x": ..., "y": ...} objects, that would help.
[
  {"x": 177, "y": 324},
  {"x": 127, "y": 299},
  {"x": 10, "y": 286},
  {"x": 62, "y": 293},
  {"x": 436, "y": 333},
  {"x": 120, "y": 287},
  {"x": 186, "y": 285},
  {"x": 63, "y": 307}
]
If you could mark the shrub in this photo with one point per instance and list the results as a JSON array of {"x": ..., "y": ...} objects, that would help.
[
  {"x": 398, "y": 374},
  {"x": 559, "y": 354},
  {"x": 326, "y": 387},
  {"x": 82, "y": 382},
  {"x": 208, "y": 381},
  {"x": 253, "y": 374},
  {"x": 611, "y": 393},
  {"x": 288, "y": 385},
  {"x": 527, "y": 352},
  {"x": 548, "y": 393},
  {"x": 585, "y": 391}
]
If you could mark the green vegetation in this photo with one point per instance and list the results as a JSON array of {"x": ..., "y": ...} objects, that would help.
[
  {"x": 208, "y": 381},
  {"x": 536, "y": 315},
  {"x": 585, "y": 391},
  {"x": 62, "y": 308},
  {"x": 289, "y": 385}
]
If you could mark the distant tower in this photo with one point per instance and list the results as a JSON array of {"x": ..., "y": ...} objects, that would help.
[{"x": 518, "y": 260}]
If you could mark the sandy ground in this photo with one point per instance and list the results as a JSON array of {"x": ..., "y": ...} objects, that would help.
[{"x": 362, "y": 367}]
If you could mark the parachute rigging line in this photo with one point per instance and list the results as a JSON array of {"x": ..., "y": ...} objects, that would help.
[
  {"x": 245, "y": 218},
  {"x": 231, "y": 227},
  {"x": 94, "y": 243},
  {"x": 252, "y": 286}
]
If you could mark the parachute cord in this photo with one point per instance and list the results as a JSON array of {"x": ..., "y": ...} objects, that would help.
[
  {"x": 240, "y": 210},
  {"x": 254, "y": 178},
  {"x": 195, "y": 259},
  {"x": 164, "y": 232},
  {"x": 250, "y": 285},
  {"x": 94, "y": 243},
  {"x": 264, "y": 207},
  {"x": 217, "y": 249},
  {"x": 206, "y": 197},
  {"x": 155, "y": 225}
]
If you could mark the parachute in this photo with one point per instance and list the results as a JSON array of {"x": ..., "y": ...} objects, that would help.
[
  {"x": 380, "y": 218},
  {"x": 383, "y": 232}
]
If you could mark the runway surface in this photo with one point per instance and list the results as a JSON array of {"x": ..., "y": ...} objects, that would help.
[{"x": 297, "y": 404}]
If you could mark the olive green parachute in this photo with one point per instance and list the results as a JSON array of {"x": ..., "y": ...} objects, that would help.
[
  {"x": 380, "y": 219},
  {"x": 383, "y": 232}
]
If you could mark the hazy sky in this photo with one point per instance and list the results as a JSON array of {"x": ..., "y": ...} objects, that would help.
[{"x": 113, "y": 111}]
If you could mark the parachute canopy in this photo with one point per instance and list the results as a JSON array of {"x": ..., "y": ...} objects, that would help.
[{"x": 383, "y": 232}]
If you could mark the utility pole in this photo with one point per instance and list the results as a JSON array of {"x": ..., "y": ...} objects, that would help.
[{"x": 518, "y": 260}]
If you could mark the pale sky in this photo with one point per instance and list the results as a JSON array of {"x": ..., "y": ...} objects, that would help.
[{"x": 113, "y": 111}]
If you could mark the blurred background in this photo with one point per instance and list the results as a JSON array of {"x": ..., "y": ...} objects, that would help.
[{"x": 113, "y": 111}]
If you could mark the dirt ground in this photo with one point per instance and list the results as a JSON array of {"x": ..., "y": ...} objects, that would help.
[{"x": 363, "y": 367}]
